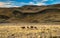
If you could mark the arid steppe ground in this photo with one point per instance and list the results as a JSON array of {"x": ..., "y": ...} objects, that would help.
[
  {"x": 13, "y": 30},
  {"x": 30, "y": 22}
]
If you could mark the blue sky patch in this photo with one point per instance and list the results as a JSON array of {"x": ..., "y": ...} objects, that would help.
[{"x": 18, "y": 3}]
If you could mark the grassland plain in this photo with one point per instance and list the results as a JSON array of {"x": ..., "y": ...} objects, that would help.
[
  {"x": 14, "y": 30},
  {"x": 30, "y": 22}
]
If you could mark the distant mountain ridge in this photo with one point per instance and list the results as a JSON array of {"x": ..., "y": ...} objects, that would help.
[{"x": 31, "y": 14}]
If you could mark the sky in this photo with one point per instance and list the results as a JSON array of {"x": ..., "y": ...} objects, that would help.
[{"x": 19, "y": 3}]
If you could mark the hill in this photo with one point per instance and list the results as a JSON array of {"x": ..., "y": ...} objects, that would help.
[{"x": 31, "y": 14}]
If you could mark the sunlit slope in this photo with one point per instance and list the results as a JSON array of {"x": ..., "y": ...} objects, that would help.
[{"x": 31, "y": 14}]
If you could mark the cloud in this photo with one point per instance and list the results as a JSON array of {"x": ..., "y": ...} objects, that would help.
[
  {"x": 2, "y": 4},
  {"x": 43, "y": 2},
  {"x": 17, "y": 4},
  {"x": 7, "y": 4},
  {"x": 34, "y": 2},
  {"x": 38, "y": 2}
]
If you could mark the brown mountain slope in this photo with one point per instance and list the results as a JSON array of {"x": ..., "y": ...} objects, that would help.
[{"x": 31, "y": 14}]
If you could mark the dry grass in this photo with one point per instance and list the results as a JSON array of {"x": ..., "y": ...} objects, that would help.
[{"x": 14, "y": 30}]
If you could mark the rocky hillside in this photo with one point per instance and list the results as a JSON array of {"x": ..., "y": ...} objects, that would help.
[{"x": 31, "y": 14}]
